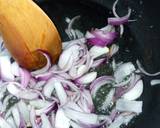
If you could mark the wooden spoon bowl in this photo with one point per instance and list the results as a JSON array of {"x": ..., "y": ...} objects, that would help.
[{"x": 25, "y": 29}]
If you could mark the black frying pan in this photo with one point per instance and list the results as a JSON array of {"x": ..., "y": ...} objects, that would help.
[{"x": 142, "y": 38}]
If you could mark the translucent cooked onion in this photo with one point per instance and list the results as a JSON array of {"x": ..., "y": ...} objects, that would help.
[{"x": 62, "y": 95}]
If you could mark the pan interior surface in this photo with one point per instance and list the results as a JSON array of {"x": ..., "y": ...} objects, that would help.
[{"x": 95, "y": 16}]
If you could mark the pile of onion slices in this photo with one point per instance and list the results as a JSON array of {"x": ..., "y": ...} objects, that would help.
[{"x": 62, "y": 95}]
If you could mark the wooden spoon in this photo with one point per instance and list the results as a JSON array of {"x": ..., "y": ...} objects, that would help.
[{"x": 26, "y": 29}]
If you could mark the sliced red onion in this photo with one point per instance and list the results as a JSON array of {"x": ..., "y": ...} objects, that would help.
[
  {"x": 61, "y": 94},
  {"x": 15, "y": 69},
  {"x": 98, "y": 62},
  {"x": 113, "y": 50},
  {"x": 25, "y": 77},
  {"x": 79, "y": 34},
  {"x": 45, "y": 122},
  {"x": 89, "y": 61},
  {"x": 86, "y": 102},
  {"x": 28, "y": 95},
  {"x": 123, "y": 105},
  {"x": 74, "y": 96},
  {"x": 66, "y": 58},
  {"x": 33, "y": 118},
  {"x": 21, "y": 93},
  {"x": 65, "y": 76},
  {"x": 125, "y": 82},
  {"x": 119, "y": 20},
  {"x": 5, "y": 67},
  {"x": 155, "y": 82},
  {"x": 54, "y": 84},
  {"x": 24, "y": 111},
  {"x": 11, "y": 122},
  {"x": 123, "y": 71},
  {"x": 88, "y": 78},
  {"x": 54, "y": 68},
  {"x": 97, "y": 51},
  {"x": 61, "y": 120},
  {"x": 8, "y": 113},
  {"x": 73, "y": 105},
  {"x": 2, "y": 91},
  {"x": 69, "y": 83},
  {"x": 66, "y": 68},
  {"x": 103, "y": 33},
  {"x": 81, "y": 70},
  {"x": 75, "y": 52},
  {"x": 38, "y": 103},
  {"x": 32, "y": 82},
  {"x": 116, "y": 15},
  {"x": 76, "y": 72},
  {"x": 39, "y": 85},
  {"x": 39, "y": 93},
  {"x": 70, "y": 32},
  {"x": 44, "y": 76},
  {"x": 135, "y": 92},
  {"x": 52, "y": 118},
  {"x": 48, "y": 88},
  {"x": 4, "y": 123},
  {"x": 120, "y": 91},
  {"x": 89, "y": 35},
  {"x": 108, "y": 28},
  {"x": 105, "y": 118},
  {"x": 72, "y": 21},
  {"x": 102, "y": 38},
  {"x": 121, "y": 30},
  {"x": 5, "y": 102},
  {"x": 99, "y": 82},
  {"x": 114, "y": 8},
  {"x": 22, "y": 122},
  {"x": 145, "y": 72},
  {"x": 17, "y": 117},
  {"x": 84, "y": 106},
  {"x": 101, "y": 42},
  {"x": 73, "y": 72},
  {"x": 113, "y": 114},
  {"x": 45, "y": 68},
  {"x": 74, "y": 34},
  {"x": 47, "y": 109},
  {"x": 14, "y": 88},
  {"x": 116, "y": 65},
  {"x": 66, "y": 44},
  {"x": 86, "y": 118}
]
